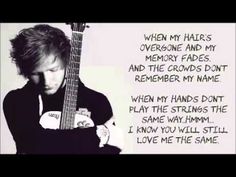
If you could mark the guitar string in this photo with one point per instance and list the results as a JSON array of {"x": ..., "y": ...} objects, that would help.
[
  {"x": 66, "y": 109},
  {"x": 72, "y": 86}
]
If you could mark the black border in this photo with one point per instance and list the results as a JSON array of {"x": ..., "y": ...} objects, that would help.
[{"x": 118, "y": 11}]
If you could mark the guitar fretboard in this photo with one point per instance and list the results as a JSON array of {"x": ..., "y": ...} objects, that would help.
[{"x": 72, "y": 81}]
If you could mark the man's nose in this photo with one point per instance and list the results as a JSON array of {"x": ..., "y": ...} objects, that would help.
[{"x": 46, "y": 78}]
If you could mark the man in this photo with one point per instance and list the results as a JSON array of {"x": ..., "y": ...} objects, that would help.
[{"x": 42, "y": 54}]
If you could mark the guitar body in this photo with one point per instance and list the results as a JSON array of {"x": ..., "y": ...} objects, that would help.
[{"x": 52, "y": 119}]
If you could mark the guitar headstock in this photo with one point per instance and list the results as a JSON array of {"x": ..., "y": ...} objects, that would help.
[{"x": 79, "y": 27}]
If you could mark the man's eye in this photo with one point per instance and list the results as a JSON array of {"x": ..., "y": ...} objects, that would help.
[{"x": 54, "y": 69}]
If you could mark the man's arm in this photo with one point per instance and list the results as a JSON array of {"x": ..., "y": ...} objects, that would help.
[
  {"x": 31, "y": 138},
  {"x": 111, "y": 136}
]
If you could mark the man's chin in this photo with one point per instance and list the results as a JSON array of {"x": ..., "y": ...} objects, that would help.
[{"x": 49, "y": 92}]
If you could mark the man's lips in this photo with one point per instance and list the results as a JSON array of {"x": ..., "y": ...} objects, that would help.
[{"x": 47, "y": 88}]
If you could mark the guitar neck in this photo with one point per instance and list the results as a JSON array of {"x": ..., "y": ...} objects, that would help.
[{"x": 72, "y": 82}]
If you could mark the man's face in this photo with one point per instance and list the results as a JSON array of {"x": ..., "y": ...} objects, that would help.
[{"x": 49, "y": 75}]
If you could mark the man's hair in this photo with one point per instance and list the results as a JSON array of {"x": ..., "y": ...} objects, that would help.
[{"x": 32, "y": 44}]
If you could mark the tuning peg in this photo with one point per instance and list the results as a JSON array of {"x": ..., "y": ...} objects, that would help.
[{"x": 87, "y": 26}]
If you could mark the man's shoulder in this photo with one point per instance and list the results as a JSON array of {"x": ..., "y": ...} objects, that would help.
[
  {"x": 93, "y": 94},
  {"x": 17, "y": 93},
  {"x": 14, "y": 93},
  {"x": 11, "y": 99},
  {"x": 98, "y": 103}
]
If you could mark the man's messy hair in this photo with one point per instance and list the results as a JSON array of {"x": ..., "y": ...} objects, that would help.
[{"x": 31, "y": 45}]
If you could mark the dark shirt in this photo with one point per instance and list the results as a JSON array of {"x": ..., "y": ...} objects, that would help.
[{"x": 21, "y": 109}]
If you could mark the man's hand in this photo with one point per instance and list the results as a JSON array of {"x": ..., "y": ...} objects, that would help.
[
  {"x": 116, "y": 137},
  {"x": 104, "y": 135},
  {"x": 110, "y": 134}
]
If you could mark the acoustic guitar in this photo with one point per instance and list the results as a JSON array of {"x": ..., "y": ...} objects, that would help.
[{"x": 69, "y": 118}]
